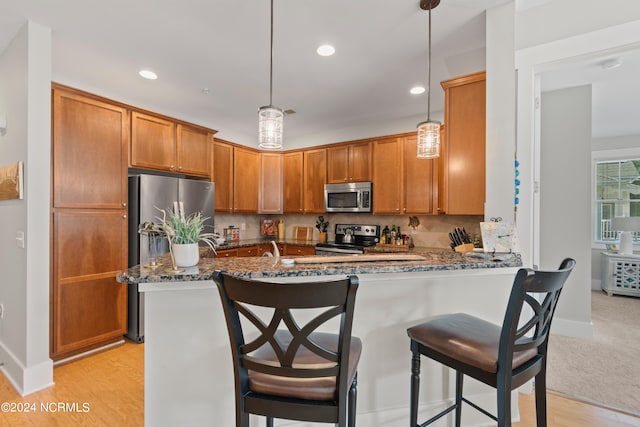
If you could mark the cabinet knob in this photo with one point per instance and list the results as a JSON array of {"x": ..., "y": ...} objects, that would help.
[
  {"x": 172, "y": 167},
  {"x": 124, "y": 205},
  {"x": 124, "y": 217}
]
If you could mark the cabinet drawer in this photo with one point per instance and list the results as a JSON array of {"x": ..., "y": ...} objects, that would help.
[
  {"x": 248, "y": 251},
  {"x": 299, "y": 250},
  {"x": 227, "y": 253}
]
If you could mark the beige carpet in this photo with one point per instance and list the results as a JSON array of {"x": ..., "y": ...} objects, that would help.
[{"x": 606, "y": 368}]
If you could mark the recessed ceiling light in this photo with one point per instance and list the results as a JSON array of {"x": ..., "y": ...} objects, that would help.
[
  {"x": 148, "y": 74},
  {"x": 417, "y": 90},
  {"x": 326, "y": 50}
]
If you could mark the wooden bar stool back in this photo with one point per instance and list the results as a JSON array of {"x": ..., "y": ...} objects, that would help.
[
  {"x": 504, "y": 357},
  {"x": 284, "y": 367}
]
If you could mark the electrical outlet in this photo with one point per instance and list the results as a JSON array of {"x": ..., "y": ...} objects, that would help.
[{"x": 1, "y": 311}]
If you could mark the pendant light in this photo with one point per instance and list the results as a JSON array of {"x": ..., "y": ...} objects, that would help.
[
  {"x": 429, "y": 130},
  {"x": 270, "y": 118}
]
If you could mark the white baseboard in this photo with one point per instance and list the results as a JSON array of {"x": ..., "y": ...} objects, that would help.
[
  {"x": 25, "y": 380},
  {"x": 572, "y": 328}
]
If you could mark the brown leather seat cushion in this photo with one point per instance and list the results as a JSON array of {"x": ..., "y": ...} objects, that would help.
[
  {"x": 467, "y": 339},
  {"x": 302, "y": 388}
]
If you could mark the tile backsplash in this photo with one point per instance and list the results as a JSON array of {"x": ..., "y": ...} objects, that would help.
[{"x": 433, "y": 231}]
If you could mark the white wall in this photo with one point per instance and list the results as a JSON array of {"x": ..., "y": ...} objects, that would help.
[
  {"x": 501, "y": 113},
  {"x": 572, "y": 28},
  {"x": 25, "y": 93},
  {"x": 565, "y": 199}
]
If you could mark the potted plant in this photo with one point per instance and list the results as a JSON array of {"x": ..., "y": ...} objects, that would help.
[
  {"x": 322, "y": 226},
  {"x": 184, "y": 233}
]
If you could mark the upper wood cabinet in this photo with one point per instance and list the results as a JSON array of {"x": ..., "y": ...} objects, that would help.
[
  {"x": 223, "y": 176},
  {"x": 314, "y": 177},
  {"x": 153, "y": 142},
  {"x": 402, "y": 183},
  {"x": 387, "y": 176},
  {"x": 89, "y": 159},
  {"x": 349, "y": 163},
  {"x": 270, "y": 193},
  {"x": 293, "y": 182},
  {"x": 420, "y": 180},
  {"x": 246, "y": 168},
  {"x": 193, "y": 150},
  {"x": 463, "y": 156},
  {"x": 162, "y": 144}
]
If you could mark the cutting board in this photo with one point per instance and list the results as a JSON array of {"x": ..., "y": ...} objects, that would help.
[
  {"x": 358, "y": 258},
  {"x": 302, "y": 233}
]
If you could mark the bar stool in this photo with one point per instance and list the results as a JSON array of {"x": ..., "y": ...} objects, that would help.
[
  {"x": 503, "y": 357},
  {"x": 283, "y": 367}
]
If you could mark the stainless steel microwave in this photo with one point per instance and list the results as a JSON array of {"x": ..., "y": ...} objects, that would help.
[{"x": 350, "y": 197}]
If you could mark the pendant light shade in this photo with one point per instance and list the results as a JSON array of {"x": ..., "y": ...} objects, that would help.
[
  {"x": 270, "y": 118},
  {"x": 429, "y": 130},
  {"x": 429, "y": 140},
  {"x": 270, "y": 123}
]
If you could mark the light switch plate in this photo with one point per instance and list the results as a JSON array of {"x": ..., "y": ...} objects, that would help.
[{"x": 20, "y": 239}]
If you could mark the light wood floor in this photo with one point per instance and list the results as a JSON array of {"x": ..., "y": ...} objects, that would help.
[{"x": 107, "y": 389}]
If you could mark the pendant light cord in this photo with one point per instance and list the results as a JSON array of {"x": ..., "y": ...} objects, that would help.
[
  {"x": 428, "y": 70},
  {"x": 271, "y": 61}
]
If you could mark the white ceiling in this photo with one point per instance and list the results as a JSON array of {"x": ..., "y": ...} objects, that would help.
[{"x": 223, "y": 46}]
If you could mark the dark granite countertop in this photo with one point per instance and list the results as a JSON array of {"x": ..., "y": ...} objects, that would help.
[{"x": 265, "y": 267}]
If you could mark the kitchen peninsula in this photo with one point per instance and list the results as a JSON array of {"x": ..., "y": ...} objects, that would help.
[{"x": 188, "y": 368}]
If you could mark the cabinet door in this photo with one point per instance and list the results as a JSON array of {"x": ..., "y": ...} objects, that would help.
[
  {"x": 89, "y": 307},
  {"x": 223, "y": 176},
  {"x": 464, "y": 161},
  {"x": 420, "y": 178},
  {"x": 153, "y": 143},
  {"x": 338, "y": 164},
  {"x": 349, "y": 163},
  {"x": 293, "y": 183},
  {"x": 270, "y": 183},
  {"x": 315, "y": 176},
  {"x": 246, "y": 167},
  {"x": 360, "y": 162},
  {"x": 387, "y": 177},
  {"x": 90, "y": 140},
  {"x": 193, "y": 151}
]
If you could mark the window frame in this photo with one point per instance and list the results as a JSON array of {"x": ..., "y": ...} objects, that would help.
[{"x": 606, "y": 156}]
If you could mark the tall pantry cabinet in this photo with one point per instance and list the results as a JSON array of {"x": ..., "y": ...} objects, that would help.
[
  {"x": 463, "y": 157},
  {"x": 89, "y": 222}
]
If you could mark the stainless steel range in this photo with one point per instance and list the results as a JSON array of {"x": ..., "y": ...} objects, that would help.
[{"x": 350, "y": 239}]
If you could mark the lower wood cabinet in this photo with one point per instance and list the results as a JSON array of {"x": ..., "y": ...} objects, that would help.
[
  {"x": 226, "y": 253},
  {"x": 249, "y": 251},
  {"x": 89, "y": 308},
  {"x": 299, "y": 250}
]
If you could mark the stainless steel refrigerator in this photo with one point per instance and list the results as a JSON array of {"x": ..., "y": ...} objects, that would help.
[{"x": 146, "y": 194}]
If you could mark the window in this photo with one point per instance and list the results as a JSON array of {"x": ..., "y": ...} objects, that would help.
[{"x": 617, "y": 194}]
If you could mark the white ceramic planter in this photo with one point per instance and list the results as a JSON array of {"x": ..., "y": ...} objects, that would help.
[{"x": 186, "y": 255}]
